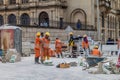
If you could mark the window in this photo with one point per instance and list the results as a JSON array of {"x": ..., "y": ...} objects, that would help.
[
  {"x": 44, "y": 19},
  {"x": 25, "y": 19},
  {"x": 25, "y": 1},
  {"x": 1, "y": 20},
  {"x": 12, "y": 1},
  {"x": 12, "y": 19},
  {"x": 1, "y": 2}
]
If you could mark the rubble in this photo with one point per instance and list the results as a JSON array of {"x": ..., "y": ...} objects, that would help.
[{"x": 12, "y": 56}]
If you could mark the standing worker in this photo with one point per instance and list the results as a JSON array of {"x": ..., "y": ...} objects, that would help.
[
  {"x": 45, "y": 47},
  {"x": 85, "y": 45},
  {"x": 37, "y": 47},
  {"x": 58, "y": 47},
  {"x": 96, "y": 52},
  {"x": 71, "y": 42}
]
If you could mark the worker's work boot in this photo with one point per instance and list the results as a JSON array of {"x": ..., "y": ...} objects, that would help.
[
  {"x": 42, "y": 61},
  {"x": 58, "y": 56},
  {"x": 37, "y": 60}
]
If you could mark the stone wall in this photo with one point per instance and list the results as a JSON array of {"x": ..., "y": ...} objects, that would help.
[
  {"x": 28, "y": 37},
  {"x": 28, "y": 33}
]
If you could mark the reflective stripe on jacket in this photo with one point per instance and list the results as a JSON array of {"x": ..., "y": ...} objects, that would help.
[{"x": 46, "y": 43}]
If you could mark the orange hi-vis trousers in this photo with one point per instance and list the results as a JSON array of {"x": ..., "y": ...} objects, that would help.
[{"x": 45, "y": 54}]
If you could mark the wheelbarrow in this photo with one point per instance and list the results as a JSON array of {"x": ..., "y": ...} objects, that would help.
[{"x": 93, "y": 61}]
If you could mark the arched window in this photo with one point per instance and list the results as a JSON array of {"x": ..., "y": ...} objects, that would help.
[
  {"x": 1, "y": 20},
  {"x": 79, "y": 17},
  {"x": 25, "y": 1},
  {"x": 12, "y": 19},
  {"x": 78, "y": 14},
  {"x": 25, "y": 19},
  {"x": 44, "y": 19},
  {"x": 12, "y": 1},
  {"x": 1, "y": 2}
]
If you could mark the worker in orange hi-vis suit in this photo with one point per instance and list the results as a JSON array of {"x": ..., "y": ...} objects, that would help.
[
  {"x": 45, "y": 47},
  {"x": 96, "y": 52},
  {"x": 85, "y": 45},
  {"x": 37, "y": 47},
  {"x": 58, "y": 47}
]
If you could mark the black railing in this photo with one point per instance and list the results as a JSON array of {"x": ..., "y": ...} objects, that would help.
[{"x": 61, "y": 25}]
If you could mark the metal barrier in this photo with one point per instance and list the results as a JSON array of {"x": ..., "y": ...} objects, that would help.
[{"x": 109, "y": 50}]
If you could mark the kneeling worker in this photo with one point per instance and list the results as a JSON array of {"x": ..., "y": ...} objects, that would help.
[{"x": 96, "y": 52}]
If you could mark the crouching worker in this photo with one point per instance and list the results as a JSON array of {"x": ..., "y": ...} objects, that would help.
[
  {"x": 58, "y": 47},
  {"x": 37, "y": 48},
  {"x": 96, "y": 52}
]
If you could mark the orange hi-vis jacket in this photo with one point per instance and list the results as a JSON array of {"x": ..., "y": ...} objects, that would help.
[
  {"x": 37, "y": 47},
  {"x": 58, "y": 44},
  {"x": 96, "y": 52},
  {"x": 46, "y": 43},
  {"x": 45, "y": 49},
  {"x": 85, "y": 45}
]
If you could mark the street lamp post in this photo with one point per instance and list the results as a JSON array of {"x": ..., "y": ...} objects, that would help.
[
  {"x": 98, "y": 21},
  {"x": 104, "y": 6}
]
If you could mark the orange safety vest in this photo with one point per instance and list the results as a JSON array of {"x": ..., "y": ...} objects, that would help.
[
  {"x": 85, "y": 45},
  {"x": 37, "y": 47},
  {"x": 58, "y": 44},
  {"x": 37, "y": 43},
  {"x": 95, "y": 52},
  {"x": 46, "y": 43}
]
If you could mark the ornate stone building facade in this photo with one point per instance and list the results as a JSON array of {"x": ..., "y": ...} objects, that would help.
[
  {"x": 45, "y": 12},
  {"x": 109, "y": 19},
  {"x": 79, "y": 14}
]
